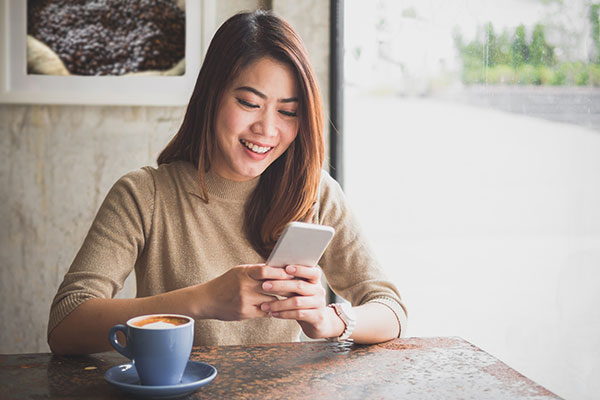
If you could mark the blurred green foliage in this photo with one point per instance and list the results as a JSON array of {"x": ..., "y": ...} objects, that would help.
[
  {"x": 595, "y": 21},
  {"x": 513, "y": 59}
]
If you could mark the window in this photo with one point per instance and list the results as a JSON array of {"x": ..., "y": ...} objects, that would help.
[{"x": 472, "y": 159}]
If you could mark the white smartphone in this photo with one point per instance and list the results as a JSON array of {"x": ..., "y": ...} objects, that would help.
[{"x": 300, "y": 243}]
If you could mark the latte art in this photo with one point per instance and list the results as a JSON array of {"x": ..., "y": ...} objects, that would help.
[
  {"x": 160, "y": 322},
  {"x": 159, "y": 325}
]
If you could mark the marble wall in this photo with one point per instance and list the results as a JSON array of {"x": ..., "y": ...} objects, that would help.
[{"x": 58, "y": 163}]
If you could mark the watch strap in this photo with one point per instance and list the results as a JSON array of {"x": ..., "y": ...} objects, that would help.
[{"x": 348, "y": 316}]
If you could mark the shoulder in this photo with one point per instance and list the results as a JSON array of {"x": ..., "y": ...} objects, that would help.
[
  {"x": 139, "y": 180},
  {"x": 329, "y": 188},
  {"x": 174, "y": 171},
  {"x": 331, "y": 199},
  {"x": 139, "y": 191},
  {"x": 147, "y": 180},
  {"x": 178, "y": 173}
]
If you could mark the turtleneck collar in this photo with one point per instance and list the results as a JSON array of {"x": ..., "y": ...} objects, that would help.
[
  {"x": 227, "y": 189},
  {"x": 220, "y": 187}
]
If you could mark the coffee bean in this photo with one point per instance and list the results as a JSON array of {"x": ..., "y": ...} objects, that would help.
[{"x": 111, "y": 37}]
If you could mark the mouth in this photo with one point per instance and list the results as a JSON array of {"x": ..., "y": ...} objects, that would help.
[{"x": 255, "y": 148}]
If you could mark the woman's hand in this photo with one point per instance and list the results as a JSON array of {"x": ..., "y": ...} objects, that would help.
[
  {"x": 305, "y": 302},
  {"x": 238, "y": 293}
]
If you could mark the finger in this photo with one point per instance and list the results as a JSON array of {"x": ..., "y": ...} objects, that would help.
[
  {"x": 253, "y": 307},
  {"x": 283, "y": 295},
  {"x": 307, "y": 315},
  {"x": 294, "y": 286},
  {"x": 312, "y": 274},
  {"x": 256, "y": 313},
  {"x": 268, "y": 288},
  {"x": 294, "y": 303},
  {"x": 262, "y": 299},
  {"x": 262, "y": 272}
]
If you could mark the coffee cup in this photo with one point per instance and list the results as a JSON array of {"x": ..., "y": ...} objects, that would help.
[{"x": 158, "y": 345}]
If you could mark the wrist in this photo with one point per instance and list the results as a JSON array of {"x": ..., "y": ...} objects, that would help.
[
  {"x": 347, "y": 315},
  {"x": 337, "y": 325},
  {"x": 199, "y": 300}
]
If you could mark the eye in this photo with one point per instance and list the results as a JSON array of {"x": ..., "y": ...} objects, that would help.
[
  {"x": 246, "y": 104},
  {"x": 287, "y": 113}
]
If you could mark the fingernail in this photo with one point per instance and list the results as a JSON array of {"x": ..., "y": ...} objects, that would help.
[
  {"x": 291, "y": 269},
  {"x": 275, "y": 314},
  {"x": 267, "y": 285},
  {"x": 265, "y": 307}
]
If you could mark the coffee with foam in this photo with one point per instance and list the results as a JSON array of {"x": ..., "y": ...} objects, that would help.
[
  {"x": 160, "y": 322},
  {"x": 159, "y": 345}
]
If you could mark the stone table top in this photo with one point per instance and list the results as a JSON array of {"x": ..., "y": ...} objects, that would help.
[{"x": 412, "y": 368}]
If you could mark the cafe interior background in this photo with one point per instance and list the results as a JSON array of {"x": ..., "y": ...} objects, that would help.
[{"x": 471, "y": 156}]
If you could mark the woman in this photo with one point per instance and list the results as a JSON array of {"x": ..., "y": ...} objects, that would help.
[{"x": 246, "y": 161}]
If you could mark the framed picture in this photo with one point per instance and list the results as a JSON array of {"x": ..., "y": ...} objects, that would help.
[{"x": 59, "y": 63}]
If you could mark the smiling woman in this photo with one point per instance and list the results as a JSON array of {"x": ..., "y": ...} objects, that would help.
[
  {"x": 258, "y": 46},
  {"x": 246, "y": 161},
  {"x": 256, "y": 121}
]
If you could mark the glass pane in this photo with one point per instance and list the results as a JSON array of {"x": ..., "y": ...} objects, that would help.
[{"x": 472, "y": 159}]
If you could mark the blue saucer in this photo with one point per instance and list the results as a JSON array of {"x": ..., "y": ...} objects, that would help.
[{"x": 196, "y": 374}]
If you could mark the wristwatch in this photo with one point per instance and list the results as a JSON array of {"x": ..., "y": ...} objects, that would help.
[{"x": 348, "y": 316}]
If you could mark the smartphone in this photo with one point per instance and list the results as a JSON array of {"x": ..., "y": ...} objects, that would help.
[{"x": 300, "y": 243}]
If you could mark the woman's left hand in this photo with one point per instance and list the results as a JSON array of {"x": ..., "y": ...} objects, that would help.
[{"x": 305, "y": 302}]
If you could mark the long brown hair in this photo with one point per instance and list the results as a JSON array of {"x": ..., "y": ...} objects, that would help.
[{"x": 287, "y": 189}]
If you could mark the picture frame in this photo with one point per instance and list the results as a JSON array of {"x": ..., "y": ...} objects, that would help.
[{"x": 17, "y": 86}]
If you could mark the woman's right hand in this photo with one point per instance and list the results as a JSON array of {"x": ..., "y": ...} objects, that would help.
[{"x": 237, "y": 294}]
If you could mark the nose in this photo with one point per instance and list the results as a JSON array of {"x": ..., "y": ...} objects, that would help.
[{"x": 266, "y": 124}]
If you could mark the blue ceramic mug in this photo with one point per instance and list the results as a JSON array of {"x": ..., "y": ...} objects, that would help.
[{"x": 158, "y": 345}]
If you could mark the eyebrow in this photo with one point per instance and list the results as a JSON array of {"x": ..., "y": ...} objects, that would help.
[{"x": 264, "y": 96}]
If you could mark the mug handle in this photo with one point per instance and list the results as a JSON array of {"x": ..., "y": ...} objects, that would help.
[{"x": 112, "y": 338}]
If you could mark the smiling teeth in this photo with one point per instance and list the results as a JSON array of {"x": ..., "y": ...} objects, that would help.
[{"x": 255, "y": 148}]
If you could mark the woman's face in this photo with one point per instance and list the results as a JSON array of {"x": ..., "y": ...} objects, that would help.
[{"x": 256, "y": 120}]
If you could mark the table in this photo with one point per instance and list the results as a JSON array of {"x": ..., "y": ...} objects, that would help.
[{"x": 413, "y": 368}]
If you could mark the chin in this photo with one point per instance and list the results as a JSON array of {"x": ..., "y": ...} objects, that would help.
[{"x": 248, "y": 174}]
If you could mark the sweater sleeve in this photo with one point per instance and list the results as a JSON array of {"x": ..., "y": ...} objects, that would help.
[
  {"x": 349, "y": 264},
  {"x": 110, "y": 250}
]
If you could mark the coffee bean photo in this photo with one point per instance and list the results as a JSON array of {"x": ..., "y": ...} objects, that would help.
[{"x": 105, "y": 37}]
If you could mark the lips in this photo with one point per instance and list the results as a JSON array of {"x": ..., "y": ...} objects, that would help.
[{"x": 255, "y": 148}]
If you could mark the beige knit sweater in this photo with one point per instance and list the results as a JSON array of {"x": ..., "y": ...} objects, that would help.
[{"x": 155, "y": 221}]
